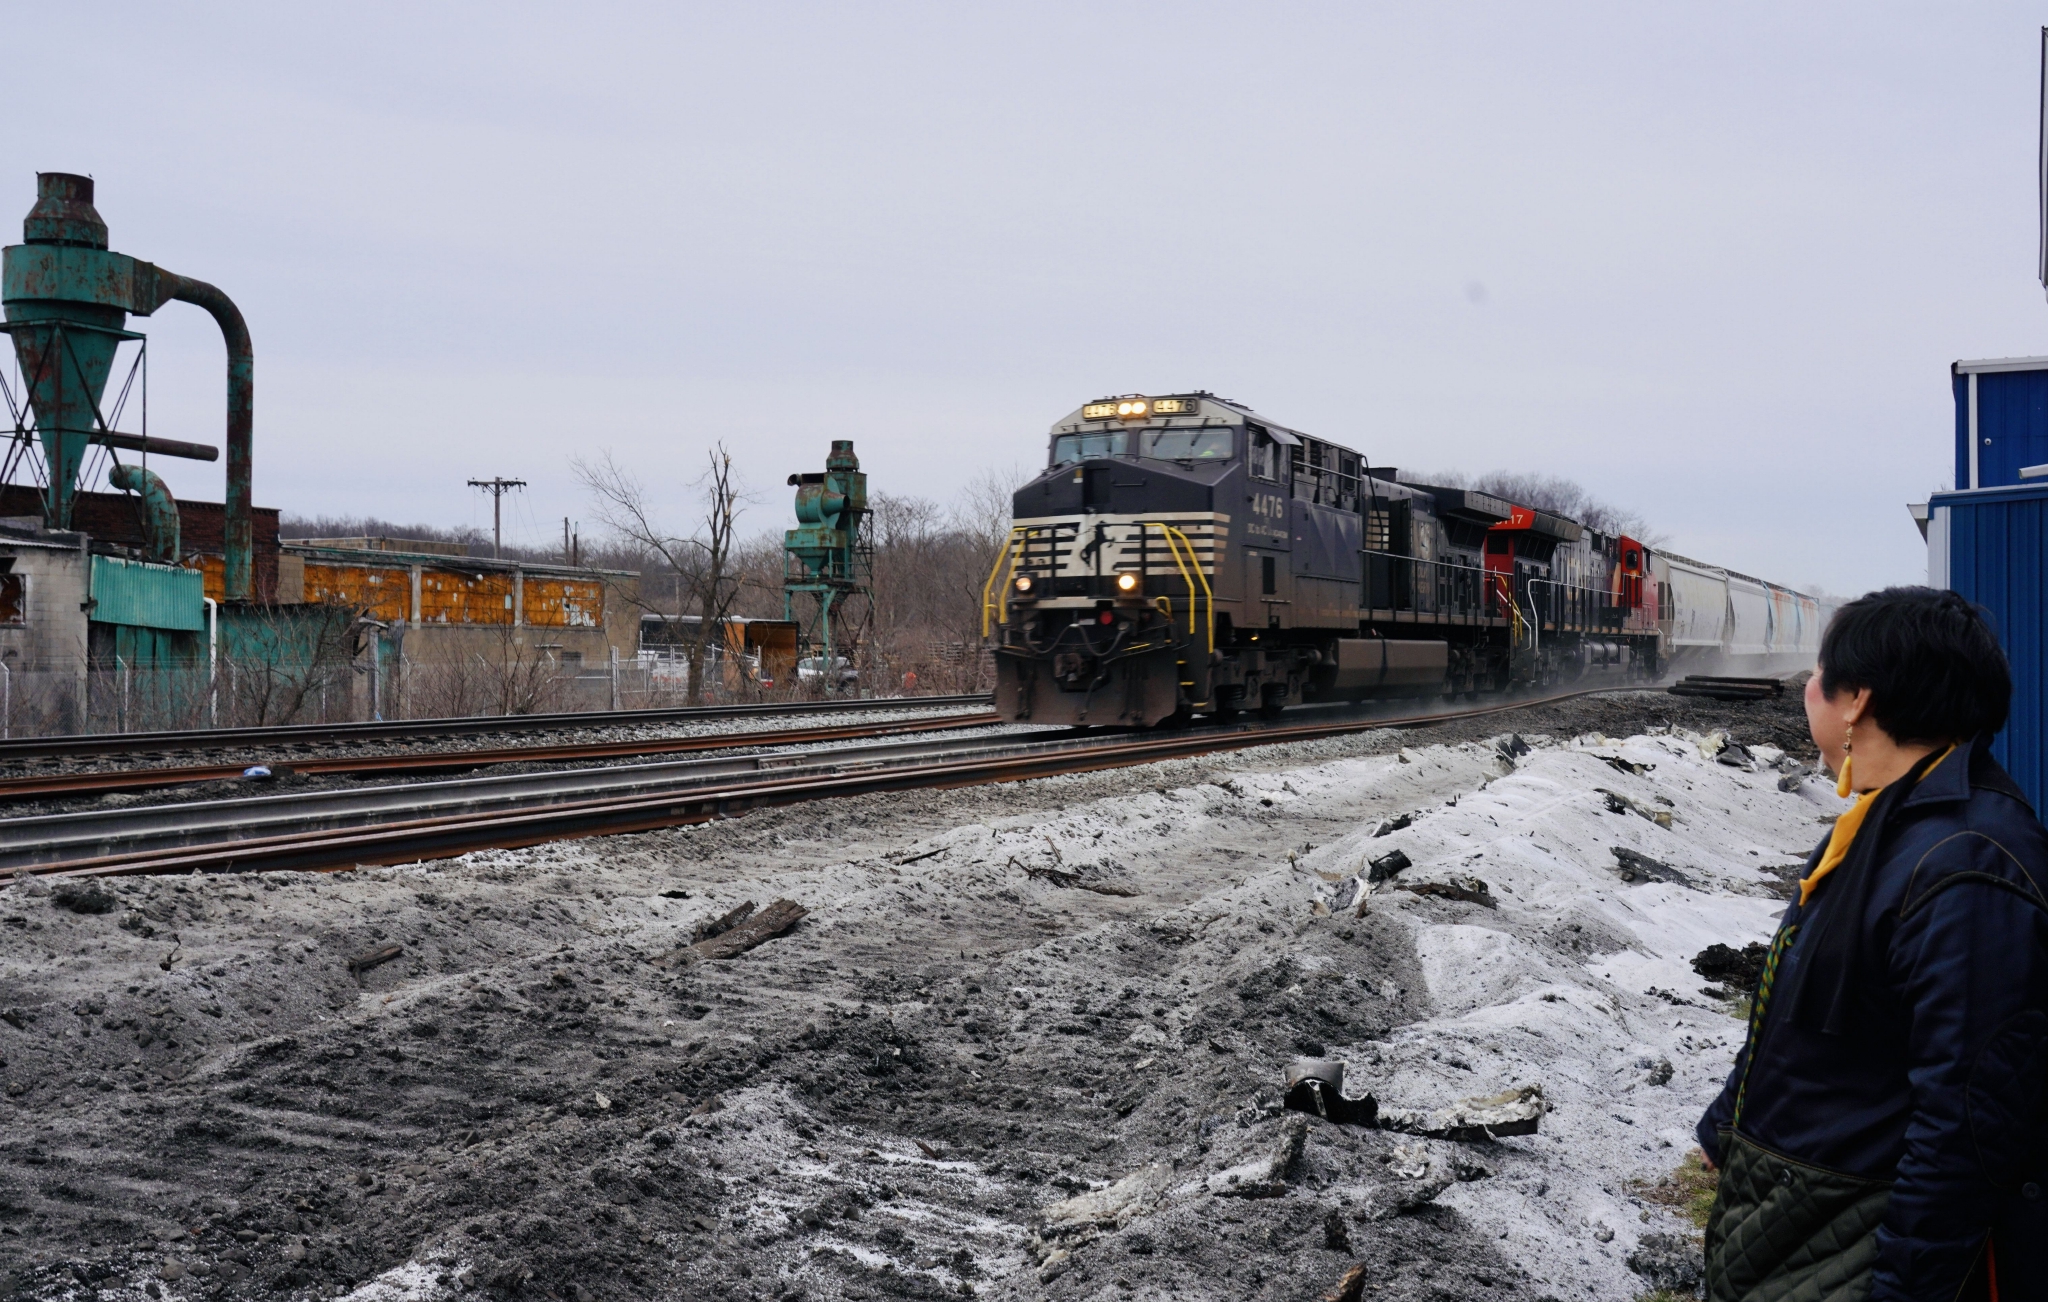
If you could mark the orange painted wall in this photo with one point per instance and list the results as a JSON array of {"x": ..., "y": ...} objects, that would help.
[
  {"x": 564, "y": 603},
  {"x": 385, "y": 594}
]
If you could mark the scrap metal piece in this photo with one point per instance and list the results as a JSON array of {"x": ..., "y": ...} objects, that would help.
[
  {"x": 1515, "y": 1112},
  {"x": 1316, "y": 1086},
  {"x": 1393, "y": 861}
]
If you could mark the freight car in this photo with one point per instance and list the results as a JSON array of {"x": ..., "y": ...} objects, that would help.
[{"x": 1183, "y": 554}]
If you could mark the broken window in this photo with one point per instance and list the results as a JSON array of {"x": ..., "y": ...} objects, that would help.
[{"x": 13, "y": 600}]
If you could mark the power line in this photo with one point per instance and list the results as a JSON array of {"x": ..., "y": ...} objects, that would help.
[{"x": 497, "y": 488}]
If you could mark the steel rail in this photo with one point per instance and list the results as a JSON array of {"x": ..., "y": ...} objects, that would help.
[
  {"x": 43, "y": 838},
  {"x": 100, "y": 782},
  {"x": 120, "y": 743},
  {"x": 445, "y": 836}
]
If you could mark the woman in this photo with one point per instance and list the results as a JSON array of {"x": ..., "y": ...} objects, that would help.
[{"x": 1881, "y": 1135}]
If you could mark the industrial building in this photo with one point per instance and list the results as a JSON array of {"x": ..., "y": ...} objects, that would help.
[
  {"x": 131, "y": 609},
  {"x": 1988, "y": 538}
]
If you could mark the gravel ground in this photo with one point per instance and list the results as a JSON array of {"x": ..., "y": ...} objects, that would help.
[{"x": 1003, "y": 999}]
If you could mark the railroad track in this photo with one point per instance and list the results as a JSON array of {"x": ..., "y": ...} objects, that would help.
[
  {"x": 40, "y": 786},
  {"x": 323, "y": 831},
  {"x": 131, "y": 743}
]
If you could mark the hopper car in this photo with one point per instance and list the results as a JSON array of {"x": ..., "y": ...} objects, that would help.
[{"x": 1182, "y": 554}]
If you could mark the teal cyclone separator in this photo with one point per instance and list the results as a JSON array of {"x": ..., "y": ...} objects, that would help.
[{"x": 67, "y": 301}]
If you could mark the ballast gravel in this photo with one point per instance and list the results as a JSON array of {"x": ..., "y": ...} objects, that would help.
[{"x": 1028, "y": 1043}]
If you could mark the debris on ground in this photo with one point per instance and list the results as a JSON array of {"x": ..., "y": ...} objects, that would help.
[
  {"x": 1674, "y": 1263},
  {"x": 1735, "y": 756},
  {"x": 1617, "y": 803},
  {"x": 1635, "y": 866},
  {"x": 753, "y": 929},
  {"x": 1386, "y": 865},
  {"x": 83, "y": 897},
  {"x": 1471, "y": 890},
  {"x": 1739, "y": 968},
  {"x": 1388, "y": 826},
  {"x": 1515, "y": 1112},
  {"x": 1350, "y": 1287},
  {"x": 1316, "y": 1086},
  {"x": 370, "y": 958}
]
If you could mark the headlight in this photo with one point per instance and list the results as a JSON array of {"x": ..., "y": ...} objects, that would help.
[
  {"x": 1133, "y": 407},
  {"x": 1127, "y": 582},
  {"x": 1023, "y": 583}
]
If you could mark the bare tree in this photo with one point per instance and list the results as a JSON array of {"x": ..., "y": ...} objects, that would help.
[
  {"x": 1551, "y": 493},
  {"x": 701, "y": 564}
]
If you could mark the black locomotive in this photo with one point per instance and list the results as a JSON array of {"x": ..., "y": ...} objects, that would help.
[{"x": 1183, "y": 554}]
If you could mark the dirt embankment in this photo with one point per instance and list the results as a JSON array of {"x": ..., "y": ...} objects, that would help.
[{"x": 1003, "y": 998}]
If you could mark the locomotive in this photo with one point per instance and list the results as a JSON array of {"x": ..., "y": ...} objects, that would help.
[{"x": 1183, "y": 554}]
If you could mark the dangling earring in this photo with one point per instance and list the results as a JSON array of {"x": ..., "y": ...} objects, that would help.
[{"x": 1842, "y": 788}]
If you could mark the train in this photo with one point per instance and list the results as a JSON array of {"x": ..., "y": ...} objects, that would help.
[{"x": 1183, "y": 555}]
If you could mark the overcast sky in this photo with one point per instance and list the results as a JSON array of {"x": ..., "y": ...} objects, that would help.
[{"x": 1710, "y": 261}]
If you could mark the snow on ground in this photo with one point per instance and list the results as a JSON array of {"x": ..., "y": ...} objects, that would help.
[{"x": 1595, "y": 1032}]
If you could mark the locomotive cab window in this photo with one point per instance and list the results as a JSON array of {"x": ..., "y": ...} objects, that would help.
[
  {"x": 1209, "y": 444},
  {"x": 1080, "y": 447},
  {"x": 1264, "y": 458}
]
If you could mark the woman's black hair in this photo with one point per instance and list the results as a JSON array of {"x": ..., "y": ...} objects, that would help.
[{"x": 1933, "y": 666}]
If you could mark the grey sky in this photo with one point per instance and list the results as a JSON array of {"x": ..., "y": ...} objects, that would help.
[{"x": 1711, "y": 261}]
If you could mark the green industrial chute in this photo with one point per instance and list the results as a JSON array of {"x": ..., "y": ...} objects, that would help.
[
  {"x": 827, "y": 565},
  {"x": 67, "y": 301}
]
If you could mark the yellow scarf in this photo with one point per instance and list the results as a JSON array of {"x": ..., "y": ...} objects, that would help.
[{"x": 1844, "y": 835}]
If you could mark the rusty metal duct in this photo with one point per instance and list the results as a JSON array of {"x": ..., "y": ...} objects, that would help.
[{"x": 67, "y": 301}]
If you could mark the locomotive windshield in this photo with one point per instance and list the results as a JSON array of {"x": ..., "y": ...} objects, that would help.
[
  {"x": 1079, "y": 447},
  {"x": 1206, "y": 444}
]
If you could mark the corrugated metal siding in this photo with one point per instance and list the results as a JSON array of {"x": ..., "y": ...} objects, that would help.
[
  {"x": 147, "y": 596},
  {"x": 2012, "y": 413},
  {"x": 1998, "y": 558}
]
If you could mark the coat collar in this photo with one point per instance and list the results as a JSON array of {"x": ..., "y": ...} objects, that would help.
[{"x": 1950, "y": 780}]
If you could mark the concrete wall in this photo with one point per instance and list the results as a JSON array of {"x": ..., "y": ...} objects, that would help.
[
  {"x": 470, "y": 635},
  {"x": 43, "y": 638}
]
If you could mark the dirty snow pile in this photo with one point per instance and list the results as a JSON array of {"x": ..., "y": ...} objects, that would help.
[{"x": 1579, "y": 977}]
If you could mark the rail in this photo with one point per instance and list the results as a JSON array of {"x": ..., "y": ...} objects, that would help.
[
  {"x": 40, "y": 748},
  {"x": 461, "y": 831},
  {"x": 98, "y": 782}
]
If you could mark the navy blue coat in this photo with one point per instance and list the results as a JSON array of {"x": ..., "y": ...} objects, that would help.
[{"x": 1938, "y": 1078}]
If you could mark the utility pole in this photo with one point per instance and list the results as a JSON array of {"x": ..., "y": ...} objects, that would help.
[{"x": 497, "y": 488}]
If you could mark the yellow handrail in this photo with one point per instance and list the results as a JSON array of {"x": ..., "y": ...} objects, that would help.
[
  {"x": 1013, "y": 551},
  {"x": 1175, "y": 542},
  {"x": 1517, "y": 625}
]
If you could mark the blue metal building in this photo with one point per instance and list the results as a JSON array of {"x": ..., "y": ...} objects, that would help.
[{"x": 1988, "y": 539}]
